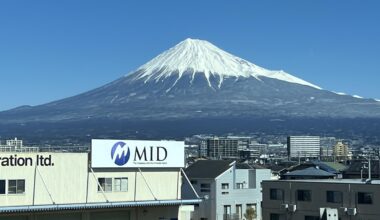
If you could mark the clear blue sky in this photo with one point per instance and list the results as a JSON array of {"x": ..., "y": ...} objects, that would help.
[{"x": 54, "y": 49}]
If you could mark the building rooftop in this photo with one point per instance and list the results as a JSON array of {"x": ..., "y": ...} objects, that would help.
[
  {"x": 210, "y": 169},
  {"x": 207, "y": 169},
  {"x": 335, "y": 165},
  {"x": 335, "y": 181},
  {"x": 311, "y": 171},
  {"x": 356, "y": 166}
]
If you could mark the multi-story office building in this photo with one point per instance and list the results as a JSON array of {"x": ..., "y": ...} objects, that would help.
[
  {"x": 340, "y": 150},
  {"x": 338, "y": 199},
  {"x": 260, "y": 148},
  {"x": 14, "y": 142},
  {"x": 121, "y": 180},
  {"x": 16, "y": 145},
  {"x": 304, "y": 146},
  {"x": 229, "y": 189},
  {"x": 223, "y": 147}
]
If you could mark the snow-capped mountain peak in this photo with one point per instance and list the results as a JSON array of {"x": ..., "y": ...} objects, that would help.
[{"x": 193, "y": 56}]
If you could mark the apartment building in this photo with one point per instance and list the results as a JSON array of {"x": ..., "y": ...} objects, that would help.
[
  {"x": 330, "y": 199},
  {"x": 228, "y": 189},
  {"x": 304, "y": 146}
]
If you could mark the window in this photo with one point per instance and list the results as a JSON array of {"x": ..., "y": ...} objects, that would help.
[
  {"x": 227, "y": 210},
  {"x": 276, "y": 194},
  {"x": 250, "y": 205},
  {"x": 277, "y": 216},
  {"x": 205, "y": 187},
  {"x": 106, "y": 184},
  {"x": 365, "y": 198},
  {"x": 239, "y": 211},
  {"x": 224, "y": 193},
  {"x": 334, "y": 196},
  {"x": 121, "y": 184},
  {"x": 304, "y": 195},
  {"x": 16, "y": 186},
  {"x": 193, "y": 182},
  {"x": 239, "y": 185},
  {"x": 225, "y": 186},
  {"x": 312, "y": 218},
  {"x": 2, "y": 187}
]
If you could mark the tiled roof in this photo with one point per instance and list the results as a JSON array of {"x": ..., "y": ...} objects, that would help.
[
  {"x": 311, "y": 171},
  {"x": 207, "y": 169}
]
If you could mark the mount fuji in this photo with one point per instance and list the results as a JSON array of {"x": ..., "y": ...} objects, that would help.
[{"x": 192, "y": 82}]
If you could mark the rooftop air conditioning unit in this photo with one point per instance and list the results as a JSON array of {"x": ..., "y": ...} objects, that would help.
[
  {"x": 351, "y": 211},
  {"x": 292, "y": 208}
]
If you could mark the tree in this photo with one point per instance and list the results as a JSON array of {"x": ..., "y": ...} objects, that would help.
[{"x": 250, "y": 213}]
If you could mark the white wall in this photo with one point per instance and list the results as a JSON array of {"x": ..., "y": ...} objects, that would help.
[
  {"x": 240, "y": 196},
  {"x": 66, "y": 180},
  {"x": 70, "y": 181}
]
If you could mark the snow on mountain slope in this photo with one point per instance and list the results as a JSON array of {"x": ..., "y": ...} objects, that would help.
[
  {"x": 357, "y": 96},
  {"x": 193, "y": 56}
]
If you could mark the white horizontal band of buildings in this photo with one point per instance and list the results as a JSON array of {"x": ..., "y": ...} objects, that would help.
[{"x": 103, "y": 205}]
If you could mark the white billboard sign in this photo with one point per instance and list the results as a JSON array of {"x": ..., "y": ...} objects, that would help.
[{"x": 137, "y": 153}]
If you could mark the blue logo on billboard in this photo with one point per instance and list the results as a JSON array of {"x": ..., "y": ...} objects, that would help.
[{"x": 120, "y": 153}]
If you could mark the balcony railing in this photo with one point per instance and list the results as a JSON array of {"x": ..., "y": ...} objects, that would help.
[{"x": 234, "y": 216}]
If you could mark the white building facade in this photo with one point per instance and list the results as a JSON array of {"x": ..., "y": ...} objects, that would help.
[
  {"x": 304, "y": 146},
  {"x": 230, "y": 193},
  {"x": 36, "y": 186}
]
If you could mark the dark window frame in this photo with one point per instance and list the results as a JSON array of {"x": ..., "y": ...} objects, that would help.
[
  {"x": 103, "y": 186},
  {"x": 304, "y": 195},
  {"x": 225, "y": 185},
  {"x": 276, "y": 216},
  {"x": 3, "y": 187},
  {"x": 334, "y": 197},
  {"x": 363, "y": 199},
  {"x": 276, "y": 194},
  {"x": 239, "y": 185},
  {"x": 205, "y": 187},
  {"x": 309, "y": 217},
  {"x": 193, "y": 182},
  {"x": 16, "y": 186}
]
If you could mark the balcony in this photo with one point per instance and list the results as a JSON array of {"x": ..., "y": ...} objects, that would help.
[{"x": 235, "y": 216}]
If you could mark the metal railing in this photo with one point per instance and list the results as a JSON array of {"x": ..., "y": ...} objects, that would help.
[
  {"x": 12, "y": 149},
  {"x": 234, "y": 216}
]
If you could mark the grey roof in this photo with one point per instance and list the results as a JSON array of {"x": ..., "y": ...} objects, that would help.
[
  {"x": 243, "y": 166},
  {"x": 356, "y": 166},
  {"x": 311, "y": 171},
  {"x": 103, "y": 205},
  {"x": 339, "y": 181},
  {"x": 207, "y": 169}
]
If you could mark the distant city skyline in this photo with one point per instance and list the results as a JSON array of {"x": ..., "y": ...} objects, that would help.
[{"x": 53, "y": 50}]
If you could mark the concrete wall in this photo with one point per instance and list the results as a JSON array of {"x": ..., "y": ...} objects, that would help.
[{"x": 204, "y": 210}]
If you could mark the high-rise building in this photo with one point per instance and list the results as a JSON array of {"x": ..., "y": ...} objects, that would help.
[
  {"x": 304, "y": 146},
  {"x": 340, "y": 149},
  {"x": 223, "y": 147}
]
